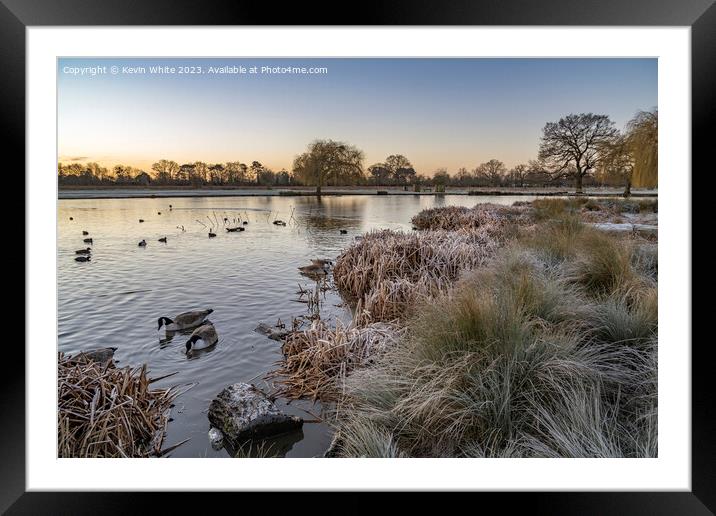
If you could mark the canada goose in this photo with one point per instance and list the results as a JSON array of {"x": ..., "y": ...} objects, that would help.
[
  {"x": 143, "y": 243},
  {"x": 211, "y": 235},
  {"x": 206, "y": 333},
  {"x": 313, "y": 269},
  {"x": 82, "y": 258},
  {"x": 84, "y": 251},
  {"x": 141, "y": 220},
  {"x": 87, "y": 240},
  {"x": 344, "y": 231},
  {"x": 85, "y": 233},
  {"x": 184, "y": 320}
]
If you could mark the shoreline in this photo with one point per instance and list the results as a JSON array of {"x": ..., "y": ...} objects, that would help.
[{"x": 150, "y": 193}]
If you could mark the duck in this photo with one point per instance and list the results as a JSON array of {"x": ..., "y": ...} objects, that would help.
[
  {"x": 82, "y": 258},
  {"x": 344, "y": 231},
  {"x": 163, "y": 239},
  {"x": 84, "y": 251},
  {"x": 141, "y": 220},
  {"x": 72, "y": 218},
  {"x": 143, "y": 243},
  {"x": 279, "y": 223},
  {"x": 313, "y": 269},
  {"x": 322, "y": 262},
  {"x": 87, "y": 240},
  {"x": 245, "y": 222},
  {"x": 170, "y": 207},
  {"x": 237, "y": 228},
  {"x": 206, "y": 333},
  {"x": 159, "y": 213},
  {"x": 85, "y": 233},
  {"x": 212, "y": 234},
  {"x": 184, "y": 320}
]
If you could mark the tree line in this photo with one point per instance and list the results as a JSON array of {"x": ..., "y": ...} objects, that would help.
[{"x": 579, "y": 149}]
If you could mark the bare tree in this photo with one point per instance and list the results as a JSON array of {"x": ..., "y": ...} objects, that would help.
[
  {"x": 329, "y": 159},
  {"x": 165, "y": 170},
  {"x": 574, "y": 145},
  {"x": 518, "y": 174},
  {"x": 400, "y": 167},
  {"x": 379, "y": 172},
  {"x": 493, "y": 171}
]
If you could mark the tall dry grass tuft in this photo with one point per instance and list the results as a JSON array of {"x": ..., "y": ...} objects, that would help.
[
  {"x": 317, "y": 359},
  {"x": 104, "y": 411},
  {"x": 453, "y": 218},
  {"x": 390, "y": 271}
]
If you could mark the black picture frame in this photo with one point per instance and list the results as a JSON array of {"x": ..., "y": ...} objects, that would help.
[{"x": 700, "y": 15}]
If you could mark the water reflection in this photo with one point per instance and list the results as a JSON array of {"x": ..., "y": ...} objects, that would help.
[{"x": 274, "y": 447}]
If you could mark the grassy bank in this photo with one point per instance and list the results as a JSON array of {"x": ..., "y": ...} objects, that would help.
[{"x": 538, "y": 339}]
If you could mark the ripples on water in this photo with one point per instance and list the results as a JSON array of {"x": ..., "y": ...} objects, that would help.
[{"x": 246, "y": 277}]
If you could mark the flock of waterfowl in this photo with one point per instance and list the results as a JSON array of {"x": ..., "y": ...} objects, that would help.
[{"x": 85, "y": 255}]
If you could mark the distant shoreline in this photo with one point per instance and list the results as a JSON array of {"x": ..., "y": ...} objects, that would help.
[{"x": 132, "y": 192}]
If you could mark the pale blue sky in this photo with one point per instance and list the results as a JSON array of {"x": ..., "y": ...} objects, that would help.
[{"x": 438, "y": 112}]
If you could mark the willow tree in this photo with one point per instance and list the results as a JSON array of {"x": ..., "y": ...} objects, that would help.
[
  {"x": 574, "y": 145},
  {"x": 642, "y": 140},
  {"x": 633, "y": 156},
  {"x": 327, "y": 160}
]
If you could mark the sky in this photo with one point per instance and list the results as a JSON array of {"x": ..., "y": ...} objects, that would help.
[{"x": 440, "y": 112}]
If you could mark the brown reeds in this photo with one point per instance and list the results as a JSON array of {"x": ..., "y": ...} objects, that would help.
[
  {"x": 105, "y": 411},
  {"x": 388, "y": 271},
  {"x": 452, "y": 218},
  {"x": 316, "y": 360}
]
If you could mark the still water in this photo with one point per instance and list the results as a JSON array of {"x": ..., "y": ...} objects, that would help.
[{"x": 246, "y": 277}]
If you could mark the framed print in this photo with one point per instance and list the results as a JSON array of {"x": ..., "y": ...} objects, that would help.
[{"x": 416, "y": 253}]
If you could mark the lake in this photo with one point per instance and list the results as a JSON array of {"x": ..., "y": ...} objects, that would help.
[{"x": 247, "y": 277}]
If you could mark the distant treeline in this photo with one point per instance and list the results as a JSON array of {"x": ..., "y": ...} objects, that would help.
[{"x": 579, "y": 150}]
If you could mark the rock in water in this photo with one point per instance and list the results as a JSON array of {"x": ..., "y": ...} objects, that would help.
[
  {"x": 242, "y": 412},
  {"x": 216, "y": 438}
]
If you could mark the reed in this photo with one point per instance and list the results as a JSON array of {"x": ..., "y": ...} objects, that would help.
[
  {"x": 452, "y": 218},
  {"x": 389, "y": 271},
  {"x": 105, "y": 411},
  {"x": 317, "y": 359}
]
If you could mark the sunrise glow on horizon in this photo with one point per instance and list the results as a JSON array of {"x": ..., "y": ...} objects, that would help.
[{"x": 440, "y": 112}]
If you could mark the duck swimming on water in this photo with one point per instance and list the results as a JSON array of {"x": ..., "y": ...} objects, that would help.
[
  {"x": 206, "y": 333},
  {"x": 85, "y": 233},
  {"x": 163, "y": 239},
  {"x": 143, "y": 243},
  {"x": 87, "y": 240},
  {"x": 184, "y": 320},
  {"x": 82, "y": 258},
  {"x": 314, "y": 269},
  {"x": 84, "y": 251}
]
